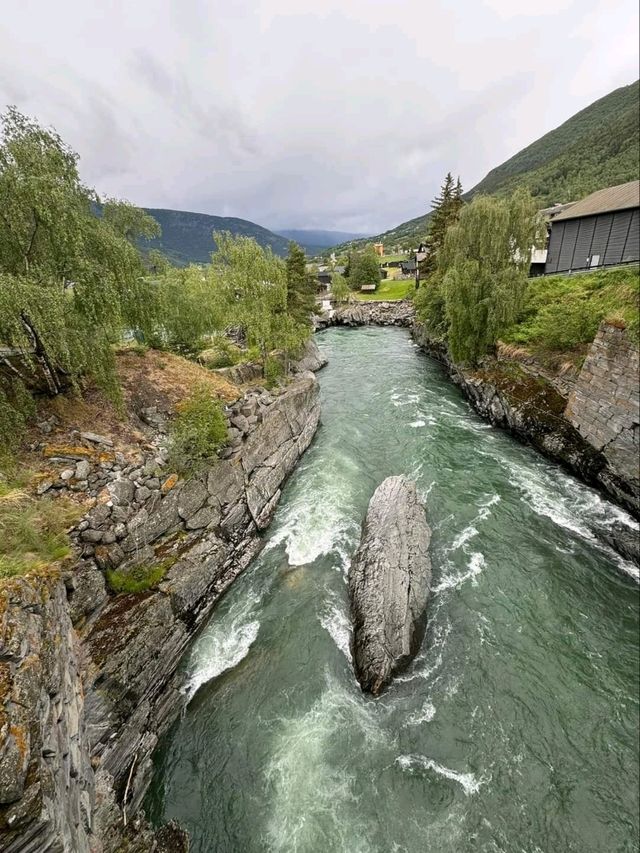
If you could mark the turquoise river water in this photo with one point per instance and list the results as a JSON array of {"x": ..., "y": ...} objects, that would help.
[{"x": 516, "y": 727}]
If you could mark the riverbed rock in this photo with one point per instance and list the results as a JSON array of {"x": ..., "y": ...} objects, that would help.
[{"x": 389, "y": 582}]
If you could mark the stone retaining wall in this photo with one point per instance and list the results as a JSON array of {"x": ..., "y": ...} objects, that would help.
[{"x": 605, "y": 404}]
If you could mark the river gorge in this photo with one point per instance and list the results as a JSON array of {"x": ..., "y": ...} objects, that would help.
[{"x": 515, "y": 728}]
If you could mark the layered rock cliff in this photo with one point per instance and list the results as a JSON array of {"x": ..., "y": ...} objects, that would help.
[
  {"x": 389, "y": 582},
  {"x": 88, "y": 679}
]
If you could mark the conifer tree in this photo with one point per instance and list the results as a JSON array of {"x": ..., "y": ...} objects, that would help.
[
  {"x": 446, "y": 209},
  {"x": 301, "y": 286}
]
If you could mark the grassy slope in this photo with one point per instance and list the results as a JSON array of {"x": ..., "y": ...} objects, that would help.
[
  {"x": 596, "y": 148},
  {"x": 390, "y": 290},
  {"x": 562, "y": 313},
  {"x": 33, "y": 529}
]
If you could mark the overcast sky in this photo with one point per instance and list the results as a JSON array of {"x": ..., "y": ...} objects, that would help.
[{"x": 337, "y": 114}]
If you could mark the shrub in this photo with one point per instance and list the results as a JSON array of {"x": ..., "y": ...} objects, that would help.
[
  {"x": 221, "y": 353},
  {"x": 198, "y": 431},
  {"x": 273, "y": 371},
  {"x": 137, "y": 578}
]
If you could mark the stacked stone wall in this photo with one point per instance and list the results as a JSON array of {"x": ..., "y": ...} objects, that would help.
[{"x": 605, "y": 404}]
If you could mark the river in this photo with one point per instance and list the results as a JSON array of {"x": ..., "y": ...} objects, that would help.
[{"x": 516, "y": 727}]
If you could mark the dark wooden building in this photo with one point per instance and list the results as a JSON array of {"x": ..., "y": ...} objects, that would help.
[{"x": 600, "y": 231}]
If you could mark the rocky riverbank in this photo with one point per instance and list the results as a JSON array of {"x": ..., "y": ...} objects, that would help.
[
  {"x": 593, "y": 431},
  {"x": 370, "y": 313},
  {"x": 88, "y": 678}
]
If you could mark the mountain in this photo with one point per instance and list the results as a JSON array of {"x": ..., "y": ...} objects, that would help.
[
  {"x": 188, "y": 237},
  {"x": 316, "y": 241},
  {"x": 596, "y": 148}
]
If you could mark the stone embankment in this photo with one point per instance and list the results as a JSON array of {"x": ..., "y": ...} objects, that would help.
[
  {"x": 389, "y": 582},
  {"x": 89, "y": 680},
  {"x": 594, "y": 432},
  {"x": 370, "y": 313}
]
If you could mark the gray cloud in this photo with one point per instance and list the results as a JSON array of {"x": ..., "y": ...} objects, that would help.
[{"x": 344, "y": 114}]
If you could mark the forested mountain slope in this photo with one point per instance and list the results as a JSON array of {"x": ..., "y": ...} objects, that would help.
[{"x": 188, "y": 237}]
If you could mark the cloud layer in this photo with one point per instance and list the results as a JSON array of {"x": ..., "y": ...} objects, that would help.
[{"x": 342, "y": 114}]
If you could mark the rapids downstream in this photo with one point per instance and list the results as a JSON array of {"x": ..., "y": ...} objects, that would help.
[{"x": 515, "y": 729}]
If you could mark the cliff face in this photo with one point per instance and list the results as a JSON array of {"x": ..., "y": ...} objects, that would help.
[{"x": 88, "y": 680}]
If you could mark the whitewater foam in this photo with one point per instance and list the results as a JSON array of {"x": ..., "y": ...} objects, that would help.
[
  {"x": 470, "y": 784},
  {"x": 475, "y": 566},
  {"x": 336, "y": 622},
  {"x": 424, "y": 715},
  {"x": 311, "y": 786},
  {"x": 224, "y": 643}
]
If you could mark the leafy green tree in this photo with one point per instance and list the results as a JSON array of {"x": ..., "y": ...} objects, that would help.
[
  {"x": 250, "y": 284},
  {"x": 484, "y": 265},
  {"x": 301, "y": 286},
  {"x": 189, "y": 309},
  {"x": 129, "y": 221},
  {"x": 339, "y": 288},
  {"x": 70, "y": 282},
  {"x": 364, "y": 268}
]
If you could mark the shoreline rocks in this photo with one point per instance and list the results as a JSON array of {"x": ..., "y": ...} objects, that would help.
[
  {"x": 91, "y": 679},
  {"x": 371, "y": 313},
  {"x": 389, "y": 582}
]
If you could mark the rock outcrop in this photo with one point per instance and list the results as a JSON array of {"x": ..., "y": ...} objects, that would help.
[
  {"x": 312, "y": 359},
  {"x": 604, "y": 405},
  {"x": 389, "y": 582},
  {"x": 370, "y": 313},
  {"x": 89, "y": 680}
]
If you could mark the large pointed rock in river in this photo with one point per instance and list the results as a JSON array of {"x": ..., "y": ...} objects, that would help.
[{"x": 389, "y": 582}]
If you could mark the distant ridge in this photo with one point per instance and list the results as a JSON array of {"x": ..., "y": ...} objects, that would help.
[
  {"x": 188, "y": 237},
  {"x": 597, "y": 147},
  {"x": 315, "y": 241}
]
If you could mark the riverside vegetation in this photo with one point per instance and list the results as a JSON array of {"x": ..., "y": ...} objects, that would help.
[{"x": 73, "y": 284}]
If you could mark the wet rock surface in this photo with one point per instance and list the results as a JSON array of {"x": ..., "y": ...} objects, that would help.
[{"x": 389, "y": 582}]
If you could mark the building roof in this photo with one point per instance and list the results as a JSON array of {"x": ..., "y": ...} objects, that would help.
[
  {"x": 621, "y": 197},
  {"x": 555, "y": 210}
]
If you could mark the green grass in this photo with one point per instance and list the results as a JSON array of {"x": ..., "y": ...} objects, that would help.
[
  {"x": 33, "y": 531},
  {"x": 138, "y": 578},
  {"x": 562, "y": 312},
  {"x": 389, "y": 290},
  {"x": 386, "y": 258}
]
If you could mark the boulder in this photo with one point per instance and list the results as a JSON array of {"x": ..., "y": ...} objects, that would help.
[
  {"x": 312, "y": 359},
  {"x": 389, "y": 582}
]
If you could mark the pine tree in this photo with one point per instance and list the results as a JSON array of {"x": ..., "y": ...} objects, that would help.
[
  {"x": 446, "y": 209},
  {"x": 301, "y": 286}
]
